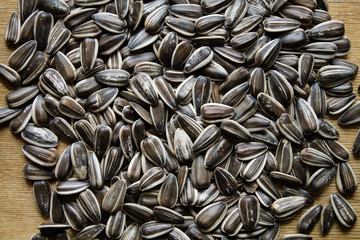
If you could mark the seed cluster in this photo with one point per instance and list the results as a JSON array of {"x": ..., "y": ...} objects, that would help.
[{"x": 182, "y": 118}]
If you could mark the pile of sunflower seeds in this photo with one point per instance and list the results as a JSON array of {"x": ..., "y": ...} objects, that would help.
[{"x": 184, "y": 118}]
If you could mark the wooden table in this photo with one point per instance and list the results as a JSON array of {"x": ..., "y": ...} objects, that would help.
[{"x": 19, "y": 216}]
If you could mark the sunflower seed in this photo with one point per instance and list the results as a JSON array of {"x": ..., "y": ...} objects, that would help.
[
  {"x": 211, "y": 216},
  {"x": 56, "y": 212},
  {"x": 94, "y": 172},
  {"x": 249, "y": 211},
  {"x": 350, "y": 116},
  {"x": 308, "y": 221},
  {"x": 287, "y": 206},
  {"x": 169, "y": 192},
  {"x": 20, "y": 121},
  {"x": 89, "y": 205},
  {"x": 74, "y": 216},
  {"x": 327, "y": 219},
  {"x": 313, "y": 157},
  {"x": 101, "y": 99},
  {"x": 109, "y": 22},
  {"x": 181, "y": 25},
  {"x": 266, "y": 184},
  {"x": 152, "y": 178},
  {"x": 12, "y": 34},
  {"x": 41, "y": 137},
  {"x": 306, "y": 117},
  {"x": 42, "y": 194},
  {"x": 270, "y": 106},
  {"x": 321, "y": 179},
  {"x": 189, "y": 194},
  {"x": 275, "y": 24},
  {"x": 343, "y": 210},
  {"x": 154, "y": 229},
  {"x": 34, "y": 172},
  {"x": 137, "y": 212},
  {"x": 267, "y": 55},
  {"x": 253, "y": 168},
  {"x": 71, "y": 186},
  {"x": 346, "y": 180},
  {"x": 225, "y": 182},
  {"x": 114, "y": 198},
  {"x": 92, "y": 231},
  {"x": 195, "y": 233},
  {"x": 289, "y": 191},
  {"x": 19, "y": 59},
  {"x": 41, "y": 156}
]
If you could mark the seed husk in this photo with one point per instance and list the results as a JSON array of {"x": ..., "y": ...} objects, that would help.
[
  {"x": 266, "y": 184},
  {"x": 290, "y": 128},
  {"x": 109, "y": 22},
  {"x": 53, "y": 228},
  {"x": 9, "y": 77},
  {"x": 350, "y": 116},
  {"x": 290, "y": 191},
  {"x": 79, "y": 159},
  {"x": 268, "y": 54},
  {"x": 112, "y": 162},
  {"x": 169, "y": 192},
  {"x": 94, "y": 172}
]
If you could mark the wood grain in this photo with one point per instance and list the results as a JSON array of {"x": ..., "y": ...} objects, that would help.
[{"x": 19, "y": 216}]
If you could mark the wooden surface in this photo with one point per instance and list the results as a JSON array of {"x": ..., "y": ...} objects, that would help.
[{"x": 19, "y": 216}]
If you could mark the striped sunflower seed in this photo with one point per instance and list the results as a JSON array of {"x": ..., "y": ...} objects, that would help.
[
  {"x": 249, "y": 211},
  {"x": 211, "y": 216},
  {"x": 346, "y": 180},
  {"x": 343, "y": 210}
]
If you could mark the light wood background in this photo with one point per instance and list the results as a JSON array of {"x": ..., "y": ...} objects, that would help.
[{"x": 19, "y": 216}]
